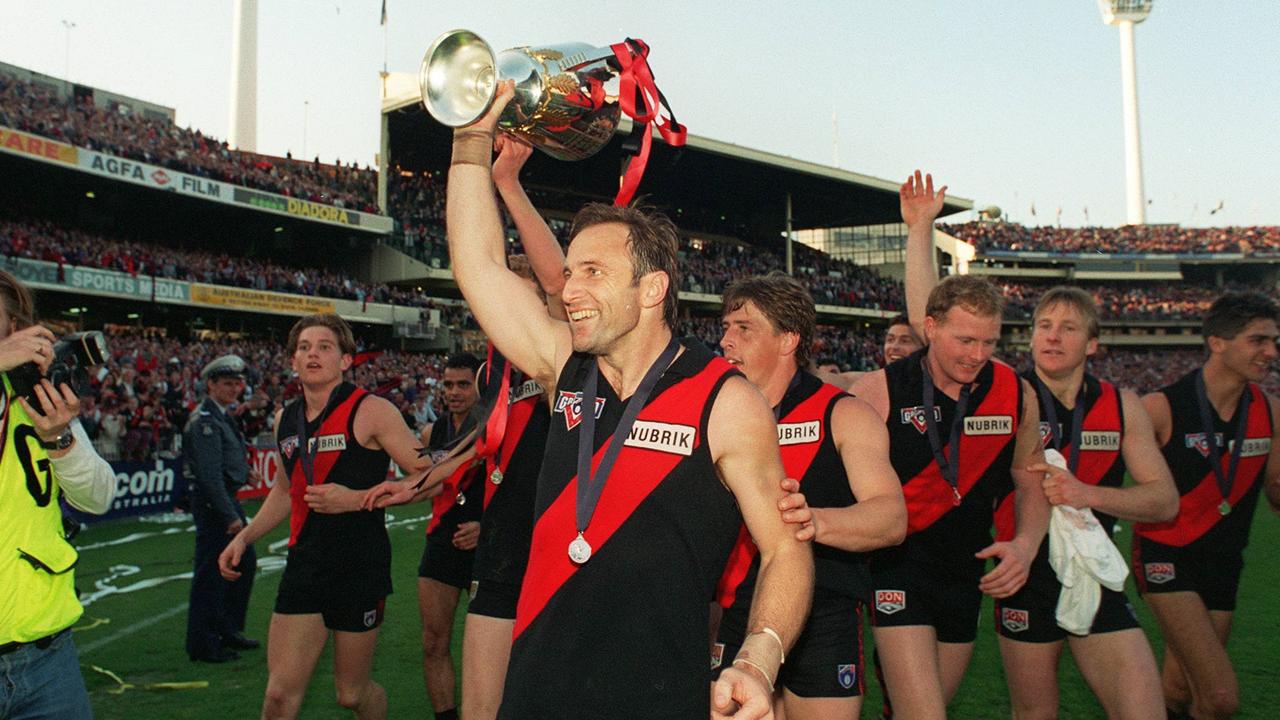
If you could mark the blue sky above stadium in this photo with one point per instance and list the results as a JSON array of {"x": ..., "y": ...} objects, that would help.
[{"x": 1015, "y": 104}]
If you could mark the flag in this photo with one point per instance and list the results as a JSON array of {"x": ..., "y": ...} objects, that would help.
[
  {"x": 384, "y": 13},
  {"x": 1218, "y": 209},
  {"x": 1033, "y": 208}
]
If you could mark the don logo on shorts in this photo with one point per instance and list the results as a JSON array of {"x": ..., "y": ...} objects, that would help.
[
  {"x": 370, "y": 618},
  {"x": 1159, "y": 573},
  {"x": 846, "y": 675},
  {"x": 891, "y": 601},
  {"x": 1015, "y": 620}
]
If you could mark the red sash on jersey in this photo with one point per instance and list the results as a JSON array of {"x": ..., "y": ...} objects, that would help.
[
  {"x": 1198, "y": 509},
  {"x": 636, "y": 473},
  {"x": 796, "y": 460},
  {"x": 1104, "y": 416},
  {"x": 517, "y": 420},
  {"x": 336, "y": 423},
  {"x": 458, "y": 482},
  {"x": 928, "y": 494}
]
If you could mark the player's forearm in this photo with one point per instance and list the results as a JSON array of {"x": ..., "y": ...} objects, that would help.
[
  {"x": 1031, "y": 511},
  {"x": 921, "y": 274},
  {"x": 540, "y": 244},
  {"x": 866, "y": 525},
  {"x": 1272, "y": 490},
  {"x": 274, "y": 510},
  {"x": 1146, "y": 502},
  {"x": 784, "y": 590},
  {"x": 473, "y": 227}
]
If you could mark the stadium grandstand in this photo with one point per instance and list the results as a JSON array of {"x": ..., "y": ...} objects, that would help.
[
  {"x": 176, "y": 236},
  {"x": 1152, "y": 283},
  {"x": 182, "y": 248}
]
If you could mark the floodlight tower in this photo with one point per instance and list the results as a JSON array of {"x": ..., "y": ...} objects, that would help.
[
  {"x": 1125, "y": 14},
  {"x": 244, "y": 76}
]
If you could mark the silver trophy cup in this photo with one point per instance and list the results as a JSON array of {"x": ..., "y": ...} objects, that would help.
[{"x": 566, "y": 101}]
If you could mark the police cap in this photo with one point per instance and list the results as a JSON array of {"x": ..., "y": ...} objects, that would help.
[{"x": 225, "y": 366}]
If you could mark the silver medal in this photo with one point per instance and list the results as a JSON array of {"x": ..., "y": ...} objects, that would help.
[
  {"x": 579, "y": 550},
  {"x": 496, "y": 476},
  {"x": 462, "y": 499}
]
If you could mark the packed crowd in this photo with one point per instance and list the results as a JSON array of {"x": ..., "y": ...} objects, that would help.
[
  {"x": 417, "y": 203},
  {"x": 1147, "y": 302},
  {"x": 850, "y": 349},
  {"x": 143, "y": 395},
  {"x": 53, "y": 242},
  {"x": 707, "y": 267},
  {"x": 1012, "y": 237},
  {"x": 36, "y": 108},
  {"x": 1131, "y": 302}
]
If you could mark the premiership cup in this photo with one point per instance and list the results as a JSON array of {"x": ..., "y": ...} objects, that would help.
[{"x": 566, "y": 95}]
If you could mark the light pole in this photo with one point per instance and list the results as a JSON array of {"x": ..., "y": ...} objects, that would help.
[
  {"x": 1125, "y": 14},
  {"x": 66, "y": 66},
  {"x": 306, "y": 111}
]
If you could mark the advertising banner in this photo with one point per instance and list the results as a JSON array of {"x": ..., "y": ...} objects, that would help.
[
  {"x": 104, "y": 282},
  {"x": 312, "y": 211},
  {"x": 267, "y": 463},
  {"x": 20, "y": 143},
  {"x": 142, "y": 488},
  {"x": 140, "y": 173},
  {"x": 259, "y": 300}
]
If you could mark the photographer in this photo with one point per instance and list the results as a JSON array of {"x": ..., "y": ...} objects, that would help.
[{"x": 46, "y": 454}]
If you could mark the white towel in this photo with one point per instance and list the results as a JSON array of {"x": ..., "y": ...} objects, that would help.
[{"x": 1083, "y": 556}]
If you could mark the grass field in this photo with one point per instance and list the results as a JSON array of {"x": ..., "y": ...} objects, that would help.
[{"x": 142, "y": 641}]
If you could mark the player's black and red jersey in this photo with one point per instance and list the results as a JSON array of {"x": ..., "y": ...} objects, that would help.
[
  {"x": 346, "y": 553},
  {"x": 809, "y": 454},
  {"x": 446, "y": 512},
  {"x": 942, "y": 534},
  {"x": 625, "y": 633},
  {"x": 1199, "y": 520},
  {"x": 1101, "y": 435},
  {"x": 510, "y": 477},
  {"x": 1100, "y": 463}
]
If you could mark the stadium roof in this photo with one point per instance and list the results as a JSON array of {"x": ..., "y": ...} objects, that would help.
[{"x": 708, "y": 186}]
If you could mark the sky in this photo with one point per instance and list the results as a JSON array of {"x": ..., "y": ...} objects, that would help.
[{"x": 1013, "y": 104}]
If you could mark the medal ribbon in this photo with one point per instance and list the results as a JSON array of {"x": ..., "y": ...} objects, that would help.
[
  {"x": 1050, "y": 414},
  {"x": 1211, "y": 438},
  {"x": 589, "y": 488},
  {"x": 306, "y": 456},
  {"x": 490, "y": 437},
  {"x": 777, "y": 409},
  {"x": 950, "y": 467}
]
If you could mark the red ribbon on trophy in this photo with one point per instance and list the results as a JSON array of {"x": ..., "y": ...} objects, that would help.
[{"x": 642, "y": 101}]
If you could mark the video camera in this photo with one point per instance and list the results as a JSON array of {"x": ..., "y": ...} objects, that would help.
[{"x": 73, "y": 355}]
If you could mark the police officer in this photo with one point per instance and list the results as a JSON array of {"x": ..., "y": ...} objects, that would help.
[{"x": 215, "y": 465}]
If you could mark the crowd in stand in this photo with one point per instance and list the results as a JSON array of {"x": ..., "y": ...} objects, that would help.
[
  {"x": 143, "y": 395},
  {"x": 53, "y": 242},
  {"x": 35, "y": 108},
  {"x": 846, "y": 347},
  {"x": 1133, "y": 302},
  {"x": 1012, "y": 237},
  {"x": 707, "y": 267},
  {"x": 1149, "y": 302}
]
